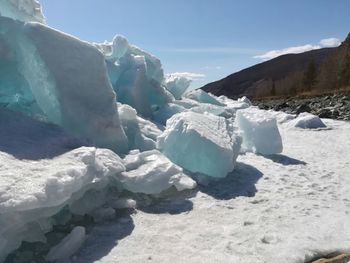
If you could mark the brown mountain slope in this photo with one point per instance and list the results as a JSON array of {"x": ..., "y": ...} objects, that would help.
[{"x": 312, "y": 71}]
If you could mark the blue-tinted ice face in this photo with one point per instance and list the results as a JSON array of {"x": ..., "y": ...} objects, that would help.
[
  {"x": 15, "y": 91},
  {"x": 53, "y": 76},
  {"x": 136, "y": 76}
]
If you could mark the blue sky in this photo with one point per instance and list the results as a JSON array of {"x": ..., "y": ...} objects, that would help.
[{"x": 211, "y": 38}]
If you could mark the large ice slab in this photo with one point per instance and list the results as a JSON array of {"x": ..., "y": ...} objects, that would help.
[
  {"x": 23, "y": 10},
  {"x": 136, "y": 76},
  {"x": 201, "y": 143},
  {"x": 151, "y": 172},
  {"x": 307, "y": 121},
  {"x": 61, "y": 79},
  {"x": 259, "y": 130},
  {"x": 31, "y": 192}
]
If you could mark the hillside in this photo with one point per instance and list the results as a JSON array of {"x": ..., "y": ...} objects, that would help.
[{"x": 315, "y": 71}]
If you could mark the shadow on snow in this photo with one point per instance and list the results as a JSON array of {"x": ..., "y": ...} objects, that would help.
[
  {"x": 284, "y": 160},
  {"x": 241, "y": 182}
]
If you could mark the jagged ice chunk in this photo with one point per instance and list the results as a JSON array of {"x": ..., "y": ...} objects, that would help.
[
  {"x": 152, "y": 173},
  {"x": 201, "y": 143},
  {"x": 259, "y": 130}
]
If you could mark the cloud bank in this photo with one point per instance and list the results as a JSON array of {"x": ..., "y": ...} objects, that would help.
[{"x": 328, "y": 42}]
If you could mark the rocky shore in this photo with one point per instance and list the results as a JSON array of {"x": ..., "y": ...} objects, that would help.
[{"x": 336, "y": 106}]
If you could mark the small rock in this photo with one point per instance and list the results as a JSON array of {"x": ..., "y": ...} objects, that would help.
[
  {"x": 324, "y": 113},
  {"x": 303, "y": 108}
]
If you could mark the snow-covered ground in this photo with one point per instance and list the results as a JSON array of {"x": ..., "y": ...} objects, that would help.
[{"x": 281, "y": 208}]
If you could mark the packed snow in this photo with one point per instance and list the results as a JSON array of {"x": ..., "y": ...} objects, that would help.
[
  {"x": 201, "y": 143},
  {"x": 150, "y": 172},
  {"x": 32, "y": 191},
  {"x": 289, "y": 207},
  {"x": 96, "y": 142}
]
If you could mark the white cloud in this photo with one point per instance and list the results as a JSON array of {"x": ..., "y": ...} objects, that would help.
[
  {"x": 328, "y": 42},
  {"x": 189, "y": 75},
  {"x": 290, "y": 50}
]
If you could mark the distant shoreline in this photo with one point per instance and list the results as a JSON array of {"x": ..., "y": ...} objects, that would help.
[{"x": 332, "y": 105}]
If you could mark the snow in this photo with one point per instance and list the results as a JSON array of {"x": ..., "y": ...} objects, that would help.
[
  {"x": 151, "y": 172},
  {"x": 259, "y": 131},
  {"x": 200, "y": 143},
  {"x": 23, "y": 10},
  {"x": 307, "y": 121},
  {"x": 284, "y": 208},
  {"x": 68, "y": 246},
  {"x": 34, "y": 190}
]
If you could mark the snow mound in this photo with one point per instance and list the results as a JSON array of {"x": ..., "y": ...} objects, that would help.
[
  {"x": 31, "y": 192},
  {"x": 259, "y": 130},
  {"x": 152, "y": 173},
  {"x": 177, "y": 85},
  {"x": 307, "y": 121},
  {"x": 136, "y": 76},
  {"x": 201, "y": 143},
  {"x": 23, "y": 10}
]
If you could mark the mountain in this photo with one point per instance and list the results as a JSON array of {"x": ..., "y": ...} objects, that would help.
[{"x": 315, "y": 71}]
